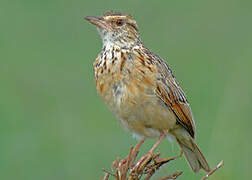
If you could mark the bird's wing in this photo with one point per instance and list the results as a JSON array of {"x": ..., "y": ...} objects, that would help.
[
  {"x": 167, "y": 89},
  {"x": 173, "y": 96}
]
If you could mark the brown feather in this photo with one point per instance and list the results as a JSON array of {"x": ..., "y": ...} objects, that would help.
[
  {"x": 139, "y": 87},
  {"x": 173, "y": 96}
]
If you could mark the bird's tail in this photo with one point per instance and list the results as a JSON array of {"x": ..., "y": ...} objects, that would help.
[{"x": 193, "y": 155}]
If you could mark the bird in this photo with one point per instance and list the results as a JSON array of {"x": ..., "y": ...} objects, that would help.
[{"x": 140, "y": 89}]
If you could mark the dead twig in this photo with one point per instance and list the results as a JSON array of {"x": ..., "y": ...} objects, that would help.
[
  {"x": 147, "y": 165},
  {"x": 109, "y": 173},
  {"x": 130, "y": 169},
  {"x": 106, "y": 177},
  {"x": 219, "y": 165},
  {"x": 172, "y": 176}
]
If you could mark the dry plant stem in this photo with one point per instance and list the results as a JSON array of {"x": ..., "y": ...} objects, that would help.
[
  {"x": 172, "y": 176},
  {"x": 128, "y": 161},
  {"x": 122, "y": 166},
  {"x": 139, "y": 144},
  {"x": 106, "y": 177},
  {"x": 162, "y": 161},
  {"x": 151, "y": 169},
  {"x": 148, "y": 155},
  {"x": 219, "y": 165},
  {"x": 135, "y": 152},
  {"x": 109, "y": 173},
  {"x": 145, "y": 167},
  {"x": 158, "y": 162}
]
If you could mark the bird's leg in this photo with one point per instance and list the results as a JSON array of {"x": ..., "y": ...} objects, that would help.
[{"x": 160, "y": 139}]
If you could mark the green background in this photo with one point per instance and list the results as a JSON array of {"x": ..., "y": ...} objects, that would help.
[{"x": 53, "y": 125}]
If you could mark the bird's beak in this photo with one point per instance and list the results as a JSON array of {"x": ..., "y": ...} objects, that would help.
[{"x": 98, "y": 22}]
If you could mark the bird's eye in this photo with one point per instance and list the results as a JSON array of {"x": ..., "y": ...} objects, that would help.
[{"x": 119, "y": 22}]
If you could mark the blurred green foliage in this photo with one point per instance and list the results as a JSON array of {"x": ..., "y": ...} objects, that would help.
[{"x": 54, "y": 126}]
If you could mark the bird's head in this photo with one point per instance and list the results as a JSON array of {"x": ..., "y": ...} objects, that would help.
[{"x": 116, "y": 27}]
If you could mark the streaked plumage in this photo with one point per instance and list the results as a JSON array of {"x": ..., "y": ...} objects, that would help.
[{"x": 139, "y": 87}]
